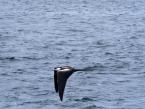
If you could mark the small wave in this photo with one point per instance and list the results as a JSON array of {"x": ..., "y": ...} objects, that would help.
[
  {"x": 84, "y": 99},
  {"x": 91, "y": 107},
  {"x": 19, "y": 71},
  {"x": 4, "y": 74},
  {"x": 75, "y": 30},
  {"x": 32, "y": 58},
  {"x": 8, "y": 58}
]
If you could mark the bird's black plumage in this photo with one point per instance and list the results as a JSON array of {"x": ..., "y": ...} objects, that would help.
[
  {"x": 61, "y": 74},
  {"x": 55, "y": 81}
]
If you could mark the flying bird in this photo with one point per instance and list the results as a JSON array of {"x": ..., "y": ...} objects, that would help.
[{"x": 61, "y": 74}]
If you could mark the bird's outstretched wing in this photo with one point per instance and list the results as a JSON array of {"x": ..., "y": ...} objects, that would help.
[
  {"x": 62, "y": 79},
  {"x": 55, "y": 81},
  {"x": 61, "y": 85}
]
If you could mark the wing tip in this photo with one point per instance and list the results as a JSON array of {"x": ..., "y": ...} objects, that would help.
[
  {"x": 61, "y": 97},
  {"x": 56, "y": 90}
]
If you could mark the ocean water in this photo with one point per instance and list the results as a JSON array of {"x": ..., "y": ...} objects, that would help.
[{"x": 107, "y": 36}]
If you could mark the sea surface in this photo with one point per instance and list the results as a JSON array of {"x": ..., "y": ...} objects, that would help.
[{"x": 105, "y": 36}]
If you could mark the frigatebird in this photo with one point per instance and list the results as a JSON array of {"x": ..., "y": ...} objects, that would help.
[{"x": 61, "y": 74}]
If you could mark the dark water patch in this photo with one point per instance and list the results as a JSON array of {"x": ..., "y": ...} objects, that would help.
[
  {"x": 57, "y": 18},
  {"x": 120, "y": 73},
  {"x": 32, "y": 87},
  {"x": 15, "y": 89},
  {"x": 102, "y": 44},
  {"x": 103, "y": 73},
  {"x": 75, "y": 30},
  {"x": 123, "y": 81},
  {"x": 92, "y": 107},
  {"x": 8, "y": 58},
  {"x": 61, "y": 43},
  {"x": 133, "y": 37},
  {"x": 119, "y": 101},
  {"x": 42, "y": 94},
  {"x": 67, "y": 57},
  {"x": 25, "y": 31},
  {"x": 109, "y": 53},
  {"x": 32, "y": 58},
  {"x": 19, "y": 71},
  {"x": 5, "y": 74},
  {"x": 32, "y": 102},
  {"x": 85, "y": 99}
]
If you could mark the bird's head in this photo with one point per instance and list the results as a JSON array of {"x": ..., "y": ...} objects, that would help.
[{"x": 64, "y": 69}]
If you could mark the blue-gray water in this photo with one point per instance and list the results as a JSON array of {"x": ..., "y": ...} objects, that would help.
[{"x": 106, "y": 35}]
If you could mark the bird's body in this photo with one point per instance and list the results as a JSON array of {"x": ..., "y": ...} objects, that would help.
[{"x": 61, "y": 74}]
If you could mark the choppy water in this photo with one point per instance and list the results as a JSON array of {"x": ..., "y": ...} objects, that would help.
[{"x": 106, "y": 35}]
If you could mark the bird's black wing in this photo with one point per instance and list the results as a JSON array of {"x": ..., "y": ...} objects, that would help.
[
  {"x": 55, "y": 81},
  {"x": 61, "y": 84},
  {"x": 62, "y": 79}
]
